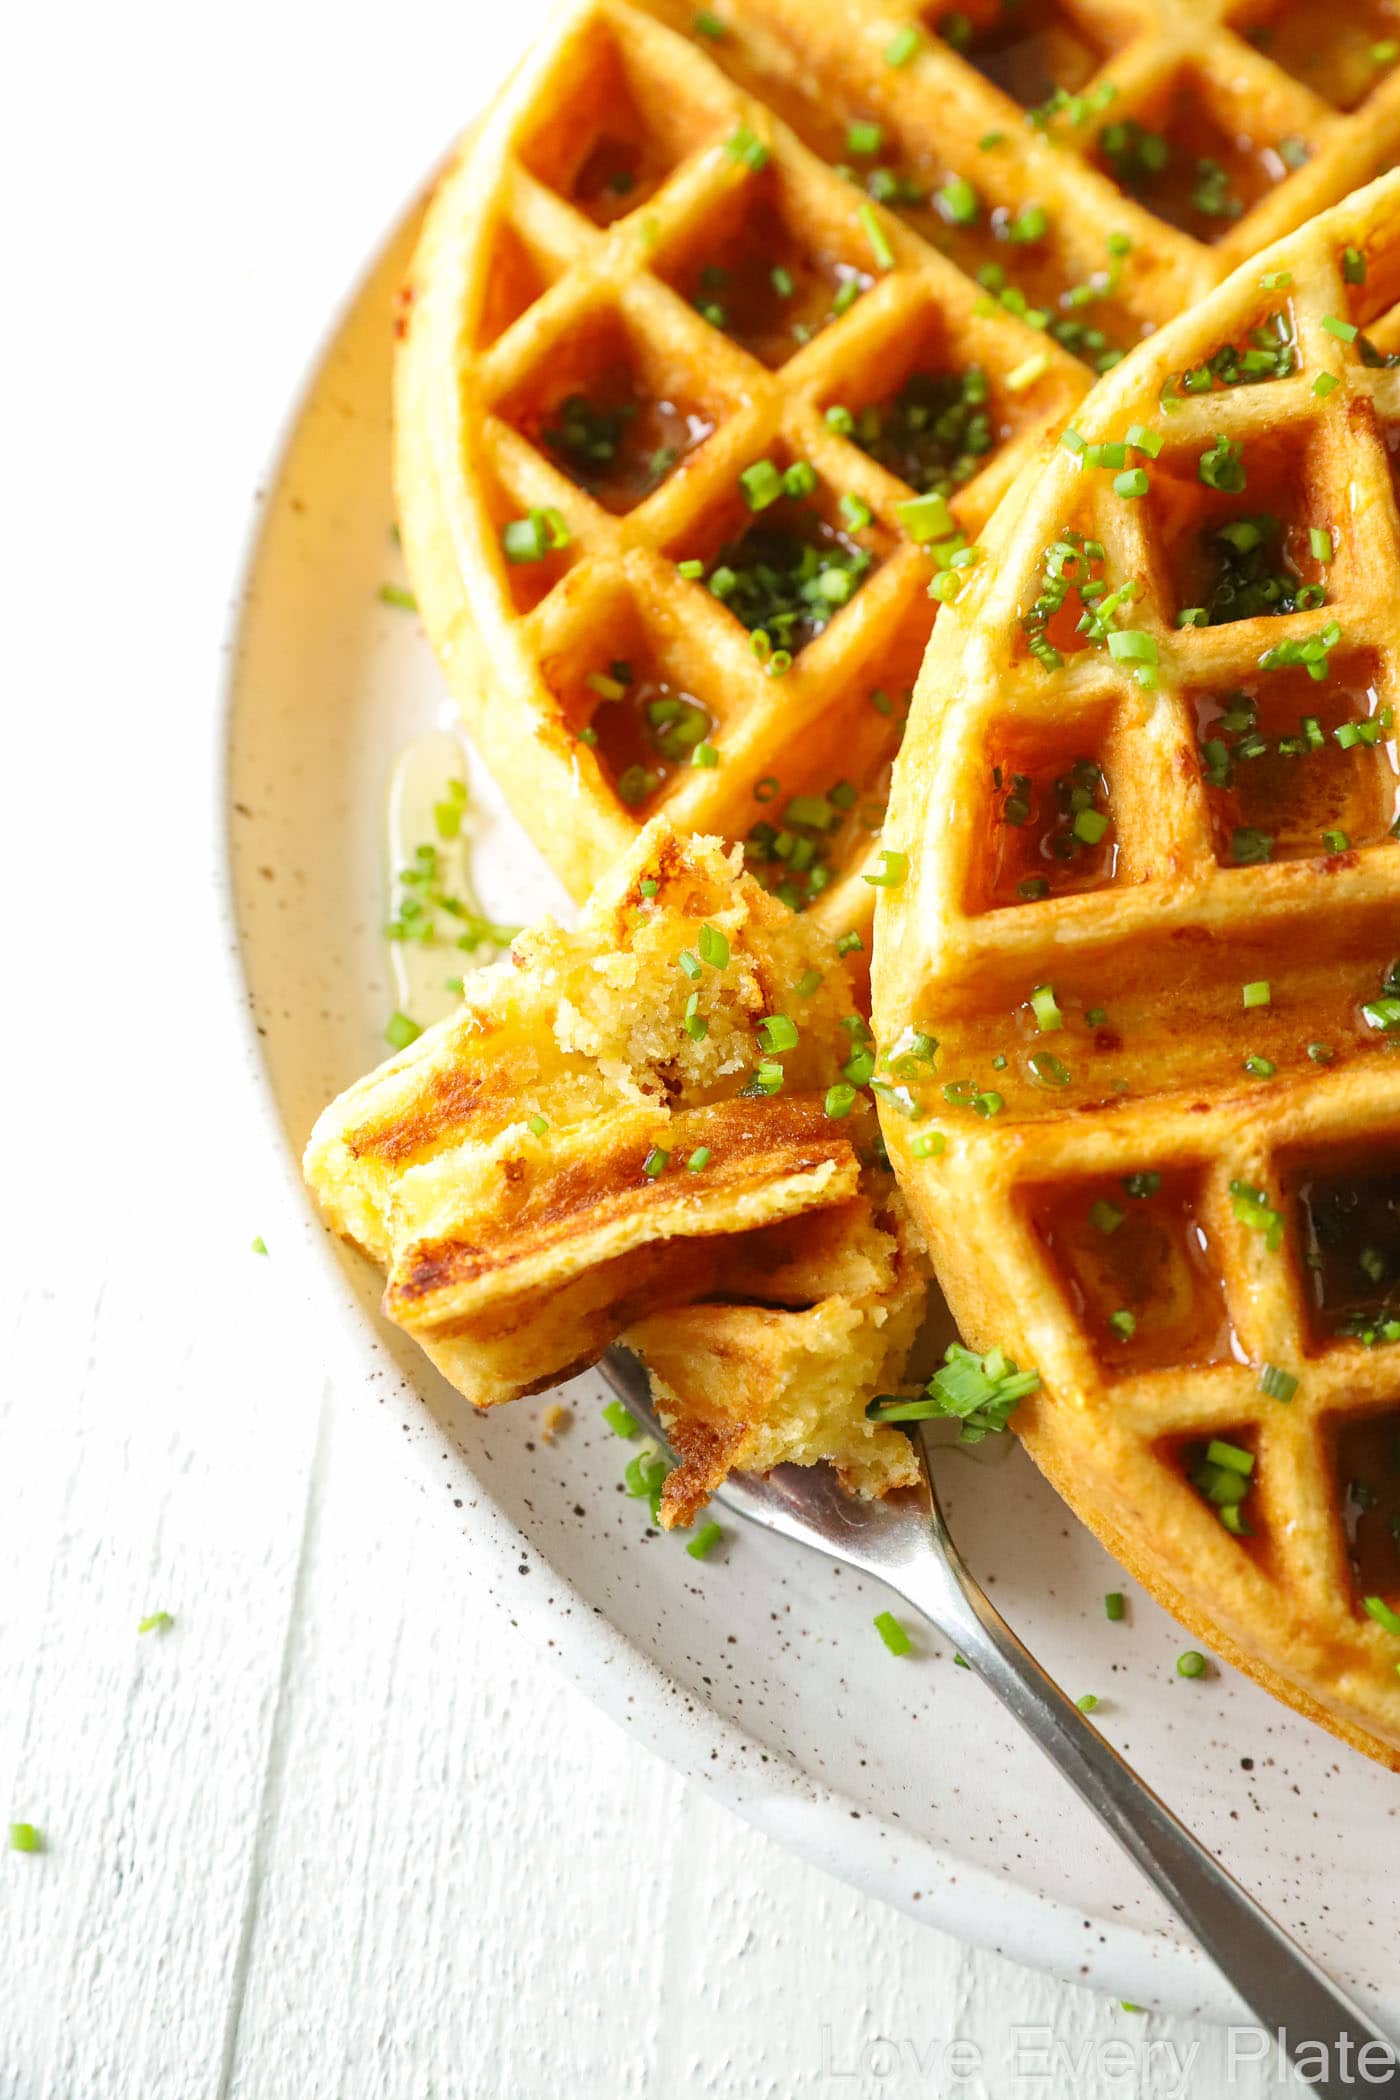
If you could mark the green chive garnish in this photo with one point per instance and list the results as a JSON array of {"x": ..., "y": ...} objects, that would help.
[
  {"x": 1115, "y": 1605},
  {"x": 699, "y": 1159},
  {"x": 903, "y": 45},
  {"x": 875, "y": 233},
  {"x": 259, "y": 1245},
  {"x": 1259, "y": 993},
  {"x": 618, "y": 1420},
  {"x": 1047, "y": 1013},
  {"x": 401, "y": 1031},
  {"x": 655, "y": 1163},
  {"x": 1381, "y": 1612},
  {"x": 1087, "y": 1702},
  {"x": 892, "y": 1633},
  {"x": 25, "y": 1838},
  {"x": 1191, "y": 1664},
  {"x": 1123, "y": 1323},
  {"x": 1277, "y": 1383},
  {"x": 706, "y": 1538},
  {"x": 1105, "y": 1217},
  {"x": 156, "y": 1622},
  {"x": 395, "y": 594},
  {"x": 892, "y": 870}
]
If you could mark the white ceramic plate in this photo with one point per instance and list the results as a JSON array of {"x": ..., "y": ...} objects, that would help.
[{"x": 758, "y": 1672}]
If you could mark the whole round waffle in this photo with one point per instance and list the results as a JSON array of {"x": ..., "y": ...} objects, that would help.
[
  {"x": 1146, "y": 897},
  {"x": 715, "y": 293}
]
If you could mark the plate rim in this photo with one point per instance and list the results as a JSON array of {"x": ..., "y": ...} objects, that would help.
[{"x": 806, "y": 1814}]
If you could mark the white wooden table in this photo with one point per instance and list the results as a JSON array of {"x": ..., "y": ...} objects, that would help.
[{"x": 335, "y": 1832}]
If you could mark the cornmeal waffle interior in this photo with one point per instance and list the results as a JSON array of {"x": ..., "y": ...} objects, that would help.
[
  {"x": 632, "y": 1117},
  {"x": 715, "y": 294},
  {"x": 1145, "y": 894}
]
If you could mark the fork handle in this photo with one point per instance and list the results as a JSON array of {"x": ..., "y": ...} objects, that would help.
[{"x": 1282, "y": 1986}]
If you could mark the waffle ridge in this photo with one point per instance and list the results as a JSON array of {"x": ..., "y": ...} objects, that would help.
[
  {"x": 1210, "y": 1063},
  {"x": 531, "y": 266}
]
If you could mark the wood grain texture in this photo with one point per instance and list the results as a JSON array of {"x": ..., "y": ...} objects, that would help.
[{"x": 337, "y": 1832}]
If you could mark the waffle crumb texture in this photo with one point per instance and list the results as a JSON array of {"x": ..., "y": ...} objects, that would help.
[
  {"x": 729, "y": 325},
  {"x": 584, "y": 1152},
  {"x": 1158, "y": 947}
]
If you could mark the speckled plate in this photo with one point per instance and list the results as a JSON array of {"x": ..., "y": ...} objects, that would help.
[{"x": 758, "y": 1672}]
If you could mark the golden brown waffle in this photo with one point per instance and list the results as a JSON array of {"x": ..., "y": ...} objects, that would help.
[
  {"x": 573, "y": 249},
  {"x": 613, "y": 1123},
  {"x": 1151, "y": 905}
]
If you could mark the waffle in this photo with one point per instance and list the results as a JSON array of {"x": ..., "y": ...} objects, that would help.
[
  {"x": 1151, "y": 914},
  {"x": 595, "y": 348},
  {"x": 612, "y": 1123}
]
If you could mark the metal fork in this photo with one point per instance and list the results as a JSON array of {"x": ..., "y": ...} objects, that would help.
[{"x": 905, "y": 1543}]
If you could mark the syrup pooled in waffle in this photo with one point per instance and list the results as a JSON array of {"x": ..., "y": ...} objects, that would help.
[
  {"x": 1146, "y": 897},
  {"x": 697, "y": 256},
  {"x": 632, "y": 1117}
]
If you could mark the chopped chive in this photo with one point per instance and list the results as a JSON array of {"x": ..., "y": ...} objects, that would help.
[
  {"x": 1277, "y": 1383},
  {"x": 958, "y": 201},
  {"x": 1134, "y": 482},
  {"x": 864, "y": 139},
  {"x": 259, "y": 1245},
  {"x": 742, "y": 145},
  {"x": 850, "y": 943},
  {"x": 1033, "y": 888},
  {"x": 800, "y": 479},
  {"x": 761, "y": 484},
  {"x": 928, "y": 1144},
  {"x": 705, "y": 755},
  {"x": 776, "y": 1033},
  {"x": 1191, "y": 1664},
  {"x": 706, "y": 23},
  {"x": 1193, "y": 616},
  {"x": 1336, "y": 841},
  {"x": 651, "y": 887},
  {"x": 840, "y": 420},
  {"x": 875, "y": 233},
  {"x": 840, "y": 1100},
  {"x": 699, "y": 1159},
  {"x": 926, "y": 518},
  {"x": 1130, "y": 645},
  {"x": 656, "y": 1163},
  {"x": 1321, "y": 543},
  {"x": 1027, "y": 372},
  {"x": 1105, "y": 1217},
  {"x": 1087, "y": 1702},
  {"x": 807, "y": 983},
  {"x": 1325, "y": 383},
  {"x": 856, "y": 511},
  {"x": 688, "y": 961},
  {"x": 156, "y": 1622},
  {"x": 1123, "y": 1323},
  {"x": 1221, "y": 466},
  {"x": 1276, "y": 280},
  {"x": 1248, "y": 847},
  {"x": 1115, "y": 1605},
  {"x": 1385, "y": 53},
  {"x": 1321, "y": 1053},
  {"x": 903, "y": 45},
  {"x": 1095, "y": 1016},
  {"x": 989, "y": 1103},
  {"x": 395, "y": 594},
  {"x": 537, "y": 1124},
  {"x": 892, "y": 870},
  {"x": 25, "y": 1838},
  {"x": 705, "y": 1539},
  {"x": 1043, "y": 1005},
  {"x": 691, "y": 570},
  {"x": 618, "y": 1420},
  {"x": 1089, "y": 826},
  {"x": 401, "y": 1031},
  {"x": 892, "y": 1633},
  {"x": 1345, "y": 331},
  {"x": 1259, "y": 1067},
  {"x": 1259, "y": 993}
]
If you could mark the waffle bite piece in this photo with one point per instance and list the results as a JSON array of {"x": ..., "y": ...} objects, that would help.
[
  {"x": 727, "y": 318},
  {"x": 1149, "y": 804},
  {"x": 629, "y": 1131}
]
